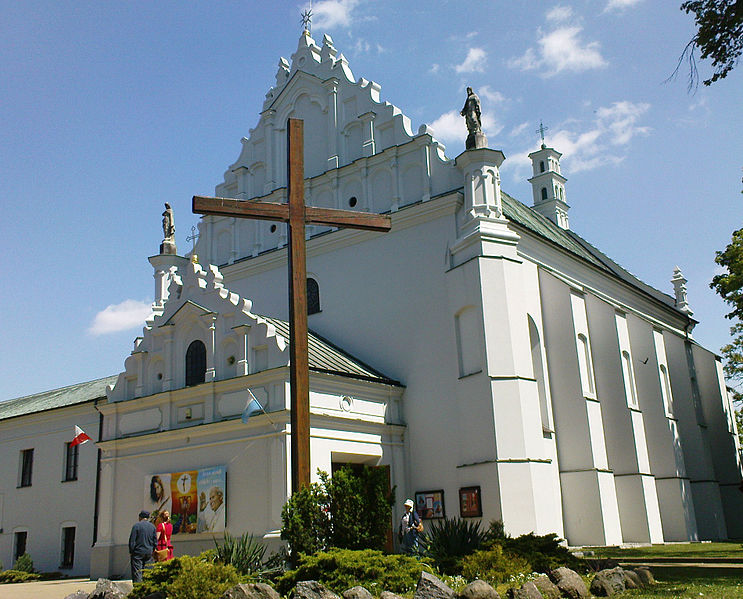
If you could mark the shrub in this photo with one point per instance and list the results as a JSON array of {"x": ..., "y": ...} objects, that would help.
[
  {"x": 11, "y": 576},
  {"x": 543, "y": 552},
  {"x": 244, "y": 553},
  {"x": 158, "y": 578},
  {"x": 341, "y": 569},
  {"x": 451, "y": 539},
  {"x": 24, "y": 563},
  {"x": 493, "y": 565},
  {"x": 306, "y": 525}
]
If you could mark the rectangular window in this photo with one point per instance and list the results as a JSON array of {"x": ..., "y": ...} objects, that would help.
[
  {"x": 71, "y": 456},
  {"x": 27, "y": 465},
  {"x": 628, "y": 371},
  {"x": 583, "y": 346},
  {"x": 68, "y": 547},
  {"x": 20, "y": 545},
  {"x": 665, "y": 383}
]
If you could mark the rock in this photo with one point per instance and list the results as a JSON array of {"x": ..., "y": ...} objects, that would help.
[
  {"x": 78, "y": 595},
  {"x": 546, "y": 587},
  {"x": 477, "y": 589},
  {"x": 253, "y": 590},
  {"x": 646, "y": 576},
  {"x": 569, "y": 582},
  {"x": 528, "y": 590},
  {"x": 608, "y": 582},
  {"x": 388, "y": 595},
  {"x": 108, "y": 589},
  {"x": 430, "y": 587},
  {"x": 311, "y": 589},
  {"x": 632, "y": 580},
  {"x": 356, "y": 592}
]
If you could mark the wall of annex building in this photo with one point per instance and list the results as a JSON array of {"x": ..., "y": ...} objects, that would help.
[{"x": 50, "y": 503}]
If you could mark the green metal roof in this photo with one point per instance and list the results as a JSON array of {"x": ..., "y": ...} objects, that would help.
[
  {"x": 575, "y": 244},
  {"x": 57, "y": 398},
  {"x": 329, "y": 358}
]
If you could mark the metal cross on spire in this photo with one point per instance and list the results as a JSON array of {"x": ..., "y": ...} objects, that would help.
[
  {"x": 541, "y": 131},
  {"x": 307, "y": 18},
  {"x": 193, "y": 237}
]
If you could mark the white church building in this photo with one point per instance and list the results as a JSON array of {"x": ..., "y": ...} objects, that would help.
[{"x": 495, "y": 362}]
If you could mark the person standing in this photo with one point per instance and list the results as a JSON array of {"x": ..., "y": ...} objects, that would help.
[
  {"x": 142, "y": 542},
  {"x": 164, "y": 532},
  {"x": 410, "y": 527}
]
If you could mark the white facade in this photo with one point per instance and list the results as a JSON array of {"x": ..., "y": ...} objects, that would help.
[{"x": 516, "y": 357}]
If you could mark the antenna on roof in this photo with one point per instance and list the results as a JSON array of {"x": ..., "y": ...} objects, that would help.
[
  {"x": 541, "y": 131},
  {"x": 307, "y": 19}
]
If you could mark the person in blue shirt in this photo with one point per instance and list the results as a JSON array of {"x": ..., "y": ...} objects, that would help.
[
  {"x": 142, "y": 542},
  {"x": 410, "y": 528}
]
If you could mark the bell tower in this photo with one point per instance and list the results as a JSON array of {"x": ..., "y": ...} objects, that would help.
[{"x": 548, "y": 185}]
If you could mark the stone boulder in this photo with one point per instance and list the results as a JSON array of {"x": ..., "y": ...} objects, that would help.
[
  {"x": 570, "y": 583},
  {"x": 78, "y": 595},
  {"x": 108, "y": 589},
  {"x": 632, "y": 580},
  {"x": 357, "y": 592},
  {"x": 478, "y": 589},
  {"x": 608, "y": 582},
  {"x": 548, "y": 588},
  {"x": 430, "y": 587},
  {"x": 528, "y": 590},
  {"x": 646, "y": 576},
  {"x": 388, "y": 595},
  {"x": 311, "y": 589},
  {"x": 253, "y": 590}
]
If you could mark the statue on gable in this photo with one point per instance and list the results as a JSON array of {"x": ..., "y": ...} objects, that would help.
[
  {"x": 168, "y": 244},
  {"x": 471, "y": 114}
]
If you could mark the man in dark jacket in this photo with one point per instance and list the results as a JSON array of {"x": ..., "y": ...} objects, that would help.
[{"x": 142, "y": 541}]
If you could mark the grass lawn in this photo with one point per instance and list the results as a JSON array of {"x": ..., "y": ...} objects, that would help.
[{"x": 693, "y": 551}]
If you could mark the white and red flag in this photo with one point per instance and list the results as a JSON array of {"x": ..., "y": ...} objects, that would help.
[{"x": 80, "y": 437}]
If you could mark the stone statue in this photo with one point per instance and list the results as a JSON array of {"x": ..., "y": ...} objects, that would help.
[
  {"x": 471, "y": 114},
  {"x": 168, "y": 244}
]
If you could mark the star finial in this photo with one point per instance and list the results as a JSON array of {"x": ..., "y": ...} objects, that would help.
[
  {"x": 307, "y": 19},
  {"x": 541, "y": 131}
]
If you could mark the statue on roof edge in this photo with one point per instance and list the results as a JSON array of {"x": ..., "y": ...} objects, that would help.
[{"x": 471, "y": 113}]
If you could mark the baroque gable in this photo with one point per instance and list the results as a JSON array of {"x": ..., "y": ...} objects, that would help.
[{"x": 360, "y": 152}]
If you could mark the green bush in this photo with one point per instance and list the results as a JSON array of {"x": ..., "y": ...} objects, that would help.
[
  {"x": 493, "y": 565},
  {"x": 350, "y": 510},
  {"x": 543, "y": 552},
  {"x": 187, "y": 577},
  {"x": 244, "y": 553},
  {"x": 24, "y": 563},
  {"x": 10, "y": 576},
  {"x": 449, "y": 540},
  {"x": 341, "y": 569}
]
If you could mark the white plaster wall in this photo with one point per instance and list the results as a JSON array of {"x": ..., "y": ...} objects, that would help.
[{"x": 42, "y": 508}]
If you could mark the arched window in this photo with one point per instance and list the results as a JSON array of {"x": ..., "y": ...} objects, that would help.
[
  {"x": 544, "y": 193},
  {"x": 541, "y": 166},
  {"x": 195, "y": 363},
  {"x": 313, "y": 296}
]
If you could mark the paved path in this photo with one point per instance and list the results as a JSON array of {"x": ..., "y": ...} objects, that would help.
[{"x": 48, "y": 589}]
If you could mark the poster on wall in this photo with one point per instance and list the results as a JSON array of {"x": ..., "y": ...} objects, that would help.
[
  {"x": 195, "y": 498},
  {"x": 469, "y": 502},
  {"x": 430, "y": 504}
]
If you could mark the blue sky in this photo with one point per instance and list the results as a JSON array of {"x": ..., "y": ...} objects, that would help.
[{"x": 110, "y": 109}]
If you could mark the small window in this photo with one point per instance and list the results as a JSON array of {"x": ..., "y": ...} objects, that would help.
[
  {"x": 585, "y": 365},
  {"x": 19, "y": 544},
  {"x": 541, "y": 166},
  {"x": 71, "y": 457},
  {"x": 544, "y": 193},
  {"x": 629, "y": 380},
  {"x": 27, "y": 466},
  {"x": 195, "y": 363},
  {"x": 352, "y": 201},
  {"x": 313, "y": 296},
  {"x": 68, "y": 547}
]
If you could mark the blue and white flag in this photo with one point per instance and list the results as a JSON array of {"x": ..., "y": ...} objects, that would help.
[{"x": 252, "y": 407}]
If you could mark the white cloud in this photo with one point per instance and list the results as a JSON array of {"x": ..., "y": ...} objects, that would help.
[
  {"x": 561, "y": 50},
  {"x": 518, "y": 129},
  {"x": 434, "y": 68},
  {"x": 620, "y": 4},
  {"x": 474, "y": 62},
  {"x": 450, "y": 127},
  {"x": 328, "y": 14},
  {"x": 129, "y": 314},
  {"x": 586, "y": 146},
  {"x": 491, "y": 95},
  {"x": 559, "y": 13}
]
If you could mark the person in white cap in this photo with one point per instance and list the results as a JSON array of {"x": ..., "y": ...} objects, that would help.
[{"x": 410, "y": 527}]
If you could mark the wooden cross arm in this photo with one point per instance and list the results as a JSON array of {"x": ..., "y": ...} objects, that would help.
[{"x": 331, "y": 217}]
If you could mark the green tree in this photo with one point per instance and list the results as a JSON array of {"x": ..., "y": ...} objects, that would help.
[{"x": 719, "y": 37}]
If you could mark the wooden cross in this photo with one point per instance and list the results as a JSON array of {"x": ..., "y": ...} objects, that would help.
[{"x": 296, "y": 215}]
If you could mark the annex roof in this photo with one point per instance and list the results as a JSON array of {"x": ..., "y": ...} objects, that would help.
[{"x": 57, "y": 398}]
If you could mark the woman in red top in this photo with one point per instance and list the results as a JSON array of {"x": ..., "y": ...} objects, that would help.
[{"x": 164, "y": 532}]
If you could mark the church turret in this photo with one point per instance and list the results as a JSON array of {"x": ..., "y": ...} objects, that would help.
[{"x": 548, "y": 185}]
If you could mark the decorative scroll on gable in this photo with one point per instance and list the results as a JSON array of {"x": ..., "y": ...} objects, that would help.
[{"x": 200, "y": 311}]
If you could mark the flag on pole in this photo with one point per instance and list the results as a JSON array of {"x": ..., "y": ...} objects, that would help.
[
  {"x": 80, "y": 437},
  {"x": 253, "y": 406}
]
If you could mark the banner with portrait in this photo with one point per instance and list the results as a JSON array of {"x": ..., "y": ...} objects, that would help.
[{"x": 195, "y": 498}]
